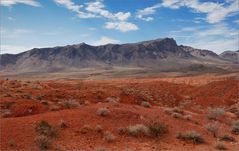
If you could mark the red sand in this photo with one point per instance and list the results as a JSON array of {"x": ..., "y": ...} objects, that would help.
[{"x": 29, "y": 107}]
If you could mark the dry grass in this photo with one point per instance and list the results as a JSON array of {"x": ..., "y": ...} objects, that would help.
[
  {"x": 235, "y": 127},
  {"x": 220, "y": 146},
  {"x": 213, "y": 128},
  {"x": 215, "y": 113},
  {"x": 109, "y": 137},
  {"x": 191, "y": 136},
  {"x": 103, "y": 112}
]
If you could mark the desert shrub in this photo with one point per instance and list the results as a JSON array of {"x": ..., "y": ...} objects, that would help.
[
  {"x": 227, "y": 138},
  {"x": 113, "y": 100},
  {"x": 44, "y": 128},
  {"x": 43, "y": 142},
  {"x": 69, "y": 104},
  {"x": 188, "y": 117},
  {"x": 145, "y": 104},
  {"x": 86, "y": 128},
  {"x": 6, "y": 105},
  {"x": 135, "y": 130},
  {"x": 168, "y": 111},
  {"x": 235, "y": 127},
  {"x": 213, "y": 128},
  {"x": 156, "y": 129},
  {"x": 6, "y": 113},
  {"x": 101, "y": 149},
  {"x": 63, "y": 124},
  {"x": 177, "y": 115},
  {"x": 102, "y": 111},
  {"x": 98, "y": 128},
  {"x": 215, "y": 113},
  {"x": 237, "y": 113},
  {"x": 11, "y": 143},
  {"x": 191, "y": 136},
  {"x": 108, "y": 136},
  {"x": 220, "y": 146}
]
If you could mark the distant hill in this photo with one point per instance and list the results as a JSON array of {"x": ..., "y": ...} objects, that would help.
[
  {"x": 232, "y": 56},
  {"x": 155, "y": 55}
]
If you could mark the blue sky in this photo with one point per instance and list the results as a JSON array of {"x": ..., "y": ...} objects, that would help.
[{"x": 27, "y": 24}]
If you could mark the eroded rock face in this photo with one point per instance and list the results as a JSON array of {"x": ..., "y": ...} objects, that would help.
[{"x": 232, "y": 56}]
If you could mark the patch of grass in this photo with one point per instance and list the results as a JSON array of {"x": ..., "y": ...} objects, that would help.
[
  {"x": 220, "y": 146},
  {"x": 215, "y": 113},
  {"x": 191, "y": 136},
  {"x": 103, "y": 112}
]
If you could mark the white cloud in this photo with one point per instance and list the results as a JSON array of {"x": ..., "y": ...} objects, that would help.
[
  {"x": 218, "y": 30},
  {"x": 217, "y": 45},
  {"x": 75, "y": 8},
  {"x": 147, "y": 11},
  {"x": 121, "y": 26},
  {"x": 9, "y": 3},
  {"x": 105, "y": 40},
  {"x": 215, "y": 11},
  {"x": 236, "y": 21},
  {"x": 97, "y": 9}
]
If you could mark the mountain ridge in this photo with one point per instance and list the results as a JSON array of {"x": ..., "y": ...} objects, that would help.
[{"x": 159, "y": 54}]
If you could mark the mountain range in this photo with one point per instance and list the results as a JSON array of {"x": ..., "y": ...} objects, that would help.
[{"x": 155, "y": 55}]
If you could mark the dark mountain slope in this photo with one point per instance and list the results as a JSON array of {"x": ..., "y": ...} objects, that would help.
[{"x": 159, "y": 55}]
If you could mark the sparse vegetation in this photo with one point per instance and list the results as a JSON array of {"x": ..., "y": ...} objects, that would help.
[
  {"x": 98, "y": 128},
  {"x": 191, "y": 136},
  {"x": 43, "y": 142},
  {"x": 103, "y": 112},
  {"x": 156, "y": 129},
  {"x": 44, "y": 128},
  {"x": 69, "y": 104},
  {"x": 153, "y": 129},
  {"x": 235, "y": 127},
  {"x": 135, "y": 130},
  {"x": 220, "y": 146},
  {"x": 12, "y": 143},
  {"x": 188, "y": 117},
  {"x": 145, "y": 104},
  {"x": 101, "y": 149},
  {"x": 213, "y": 128},
  {"x": 108, "y": 136},
  {"x": 6, "y": 113},
  {"x": 63, "y": 124},
  {"x": 227, "y": 138},
  {"x": 215, "y": 113}
]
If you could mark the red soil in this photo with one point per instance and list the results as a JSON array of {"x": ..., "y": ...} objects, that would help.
[{"x": 31, "y": 102}]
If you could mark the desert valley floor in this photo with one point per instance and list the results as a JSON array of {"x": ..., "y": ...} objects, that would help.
[{"x": 190, "y": 113}]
